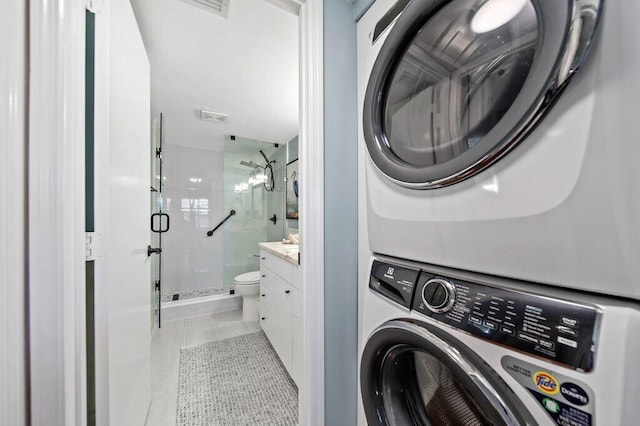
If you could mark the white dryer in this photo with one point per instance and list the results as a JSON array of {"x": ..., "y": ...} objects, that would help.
[
  {"x": 503, "y": 137},
  {"x": 443, "y": 346}
]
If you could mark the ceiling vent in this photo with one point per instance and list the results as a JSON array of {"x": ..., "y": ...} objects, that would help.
[
  {"x": 219, "y": 7},
  {"x": 213, "y": 116}
]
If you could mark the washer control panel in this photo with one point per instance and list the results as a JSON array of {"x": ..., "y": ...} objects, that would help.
[{"x": 559, "y": 330}]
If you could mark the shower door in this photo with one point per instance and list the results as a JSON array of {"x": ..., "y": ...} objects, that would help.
[
  {"x": 159, "y": 219},
  {"x": 254, "y": 189}
]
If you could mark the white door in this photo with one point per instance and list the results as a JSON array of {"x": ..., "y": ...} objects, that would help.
[{"x": 126, "y": 98}]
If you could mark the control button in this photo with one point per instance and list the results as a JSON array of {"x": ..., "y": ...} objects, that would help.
[
  {"x": 547, "y": 344},
  {"x": 475, "y": 320},
  {"x": 439, "y": 295},
  {"x": 507, "y": 330},
  {"x": 567, "y": 330},
  {"x": 571, "y": 322},
  {"x": 491, "y": 325},
  {"x": 567, "y": 342},
  {"x": 527, "y": 338}
]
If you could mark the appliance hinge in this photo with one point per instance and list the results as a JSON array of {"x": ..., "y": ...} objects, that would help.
[
  {"x": 94, "y": 247},
  {"x": 158, "y": 152}
]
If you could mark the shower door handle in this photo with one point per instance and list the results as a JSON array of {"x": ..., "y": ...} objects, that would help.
[
  {"x": 151, "y": 250},
  {"x": 159, "y": 230}
]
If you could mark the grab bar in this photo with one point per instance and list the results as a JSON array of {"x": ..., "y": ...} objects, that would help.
[{"x": 231, "y": 213}]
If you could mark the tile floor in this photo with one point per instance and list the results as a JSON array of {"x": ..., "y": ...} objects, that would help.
[{"x": 165, "y": 355}]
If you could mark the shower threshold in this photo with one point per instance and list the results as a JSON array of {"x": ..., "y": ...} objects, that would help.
[{"x": 200, "y": 305}]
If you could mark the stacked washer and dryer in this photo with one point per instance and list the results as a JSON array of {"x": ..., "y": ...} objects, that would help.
[{"x": 500, "y": 256}]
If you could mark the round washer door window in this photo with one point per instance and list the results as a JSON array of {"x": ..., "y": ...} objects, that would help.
[
  {"x": 415, "y": 374},
  {"x": 458, "y": 83}
]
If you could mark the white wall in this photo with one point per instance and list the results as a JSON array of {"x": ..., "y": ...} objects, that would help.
[{"x": 190, "y": 259}]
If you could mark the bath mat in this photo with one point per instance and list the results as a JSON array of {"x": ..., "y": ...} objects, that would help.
[{"x": 236, "y": 381}]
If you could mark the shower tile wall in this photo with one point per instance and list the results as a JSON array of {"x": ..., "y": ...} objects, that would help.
[{"x": 193, "y": 194}]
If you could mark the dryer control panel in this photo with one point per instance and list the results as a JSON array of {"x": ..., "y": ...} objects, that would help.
[{"x": 552, "y": 328}]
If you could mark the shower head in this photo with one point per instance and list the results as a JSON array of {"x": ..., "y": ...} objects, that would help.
[
  {"x": 266, "y": 160},
  {"x": 249, "y": 164}
]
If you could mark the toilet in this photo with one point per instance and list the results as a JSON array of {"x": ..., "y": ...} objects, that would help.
[{"x": 248, "y": 286}]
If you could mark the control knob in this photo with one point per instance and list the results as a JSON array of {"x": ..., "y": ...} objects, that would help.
[{"x": 439, "y": 295}]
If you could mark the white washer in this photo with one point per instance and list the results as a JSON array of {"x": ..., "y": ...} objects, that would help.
[
  {"x": 502, "y": 137},
  {"x": 444, "y": 346}
]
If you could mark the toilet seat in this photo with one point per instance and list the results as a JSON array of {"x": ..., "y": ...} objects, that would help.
[{"x": 248, "y": 278}]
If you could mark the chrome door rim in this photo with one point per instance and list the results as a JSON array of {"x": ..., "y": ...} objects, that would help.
[
  {"x": 452, "y": 352},
  {"x": 578, "y": 27}
]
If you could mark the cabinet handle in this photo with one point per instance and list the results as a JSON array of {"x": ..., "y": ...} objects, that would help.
[
  {"x": 262, "y": 276},
  {"x": 263, "y": 295},
  {"x": 287, "y": 291},
  {"x": 263, "y": 258},
  {"x": 263, "y": 318}
]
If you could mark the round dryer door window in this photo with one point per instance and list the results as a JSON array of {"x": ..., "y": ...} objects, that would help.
[
  {"x": 413, "y": 373},
  {"x": 458, "y": 83}
]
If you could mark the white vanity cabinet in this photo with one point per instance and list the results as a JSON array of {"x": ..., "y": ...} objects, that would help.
[{"x": 281, "y": 310}]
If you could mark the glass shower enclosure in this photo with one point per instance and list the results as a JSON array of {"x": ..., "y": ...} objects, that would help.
[
  {"x": 159, "y": 220},
  {"x": 254, "y": 189},
  {"x": 206, "y": 246}
]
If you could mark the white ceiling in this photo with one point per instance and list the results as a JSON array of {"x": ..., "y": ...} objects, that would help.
[{"x": 245, "y": 66}]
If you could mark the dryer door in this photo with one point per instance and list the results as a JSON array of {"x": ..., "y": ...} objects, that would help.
[
  {"x": 458, "y": 83},
  {"x": 413, "y": 373}
]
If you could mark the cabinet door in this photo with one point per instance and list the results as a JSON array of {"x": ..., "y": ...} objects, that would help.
[
  {"x": 296, "y": 276},
  {"x": 276, "y": 314},
  {"x": 276, "y": 264},
  {"x": 296, "y": 335},
  {"x": 269, "y": 304},
  {"x": 285, "y": 349}
]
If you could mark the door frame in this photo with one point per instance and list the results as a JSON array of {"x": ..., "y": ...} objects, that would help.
[
  {"x": 311, "y": 144},
  {"x": 56, "y": 219},
  {"x": 56, "y": 268},
  {"x": 13, "y": 215}
]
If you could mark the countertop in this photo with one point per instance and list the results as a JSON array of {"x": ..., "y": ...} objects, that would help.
[{"x": 288, "y": 252}]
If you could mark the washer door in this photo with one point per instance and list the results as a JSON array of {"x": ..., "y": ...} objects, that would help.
[
  {"x": 412, "y": 373},
  {"x": 458, "y": 83}
]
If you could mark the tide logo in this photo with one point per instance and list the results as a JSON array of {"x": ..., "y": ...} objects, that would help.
[{"x": 546, "y": 383}]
